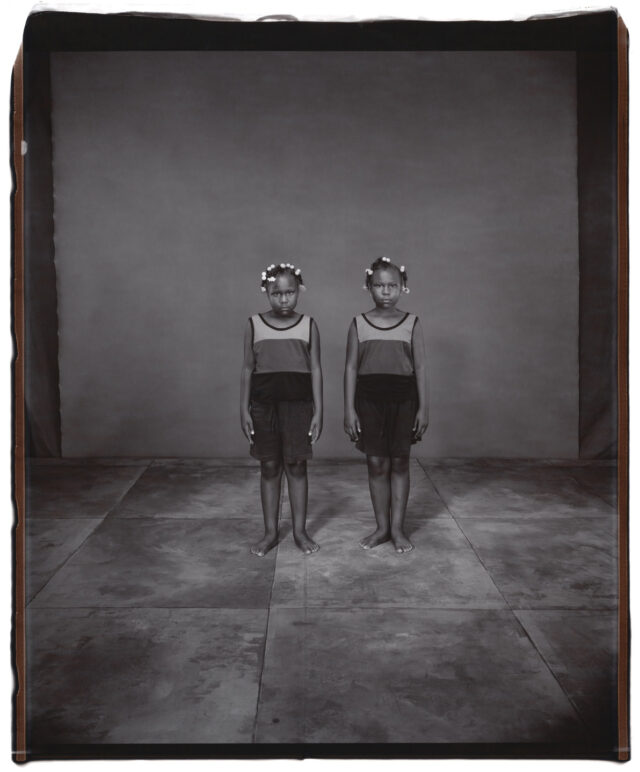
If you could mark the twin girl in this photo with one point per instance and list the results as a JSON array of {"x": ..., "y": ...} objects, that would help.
[{"x": 385, "y": 399}]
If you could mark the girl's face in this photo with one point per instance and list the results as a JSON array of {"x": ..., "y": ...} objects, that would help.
[
  {"x": 385, "y": 287},
  {"x": 283, "y": 294}
]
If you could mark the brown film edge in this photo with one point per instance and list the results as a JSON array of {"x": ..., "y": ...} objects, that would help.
[
  {"x": 623, "y": 389},
  {"x": 20, "y": 748}
]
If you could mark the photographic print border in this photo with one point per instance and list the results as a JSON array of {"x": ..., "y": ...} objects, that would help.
[{"x": 49, "y": 31}]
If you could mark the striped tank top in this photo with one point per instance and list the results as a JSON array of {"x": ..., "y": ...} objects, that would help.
[
  {"x": 282, "y": 370},
  {"x": 385, "y": 360}
]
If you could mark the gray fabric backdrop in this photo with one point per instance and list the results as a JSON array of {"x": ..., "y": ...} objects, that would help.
[{"x": 178, "y": 176}]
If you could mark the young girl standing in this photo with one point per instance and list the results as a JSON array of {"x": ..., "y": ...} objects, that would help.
[
  {"x": 281, "y": 401},
  {"x": 385, "y": 395}
]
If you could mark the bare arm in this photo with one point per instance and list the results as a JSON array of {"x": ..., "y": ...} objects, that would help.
[
  {"x": 351, "y": 422},
  {"x": 316, "y": 383},
  {"x": 245, "y": 383},
  {"x": 420, "y": 366}
]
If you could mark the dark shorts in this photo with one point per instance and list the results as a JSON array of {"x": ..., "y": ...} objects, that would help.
[
  {"x": 386, "y": 427},
  {"x": 281, "y": 430}
]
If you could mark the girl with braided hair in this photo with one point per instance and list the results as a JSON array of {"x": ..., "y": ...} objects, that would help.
[
  {"x": 386, "y": 398},
  {"x": 281, "y": 401}
]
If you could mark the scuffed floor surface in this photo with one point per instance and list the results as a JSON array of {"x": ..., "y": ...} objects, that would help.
[{"x": 148, "y": 620}]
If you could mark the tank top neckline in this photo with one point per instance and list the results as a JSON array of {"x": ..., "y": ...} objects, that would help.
[
  {"x": 282, "y": 329},
  {"x": 393, "y": 326}
]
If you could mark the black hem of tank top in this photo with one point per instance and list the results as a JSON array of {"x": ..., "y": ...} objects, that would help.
[
  {"x": 310, "y": 325},
  {"x": 282, "y": 328},
  {"x": 253, "y": 331},
  {"x": 413, "y": 329},
  {"x": 393, "y": 326}
]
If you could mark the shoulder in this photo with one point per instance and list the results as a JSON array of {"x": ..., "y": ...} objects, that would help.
[
  {"x": 357, "y": 323},
  {"x": 416, "y": 327}
]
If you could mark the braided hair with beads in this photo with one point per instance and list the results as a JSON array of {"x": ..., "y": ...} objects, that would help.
[
  {"x": 385, "y": 262},
  {"x": 272, "y": 271}
]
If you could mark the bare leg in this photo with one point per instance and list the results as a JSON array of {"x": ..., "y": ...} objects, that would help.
[
  {"x": 399, "y": 497},
  {"x": 270, "y": 478},
  {"x": 380, "y": 488},
  {"x": 296, "y": 472}
]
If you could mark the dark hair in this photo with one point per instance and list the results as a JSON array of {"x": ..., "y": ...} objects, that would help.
[
  {"x": 270, "y": 273},
  {"x": 385, "y": 262}
]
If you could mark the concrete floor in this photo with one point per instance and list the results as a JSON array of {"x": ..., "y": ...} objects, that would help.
[{"x": 149, "y": 622}]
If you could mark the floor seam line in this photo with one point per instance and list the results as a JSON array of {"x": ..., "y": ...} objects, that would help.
[
  {"x": 101, "y": 519},
  {"x": 142, "y": 470},
  {"x": 266, "y": 627},
  {"x": 554, "y": 676},
  {"x": 591, "y": 492},
  {"x": 513, "y": 614},
  {"x": 473, "y": 549},
  {"x": 67, "y": 559}
]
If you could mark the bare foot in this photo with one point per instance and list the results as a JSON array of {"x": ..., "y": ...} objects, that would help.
[
  {"x": 264, "y": 545},
  {"x": 305, "y": 543},
  {"x": 373, "y": 539},
  {"x": 400, "y": 542}
]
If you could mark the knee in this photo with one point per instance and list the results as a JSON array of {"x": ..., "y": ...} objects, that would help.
[
  {"x": 400, "y": 465},
  {"x": 270, "y": 469},
  {"x": 296, "y": 468},
  {"x": 378, "y": 466}
]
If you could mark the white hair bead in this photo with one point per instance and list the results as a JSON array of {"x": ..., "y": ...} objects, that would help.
[
  {"x": 368, "y": 271},
  {"x": 263, "y": 289},
  {"x": 402, "y": 269},
  {"x": 386, "y": 259},
  {"x": 297, "y": 272}
]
